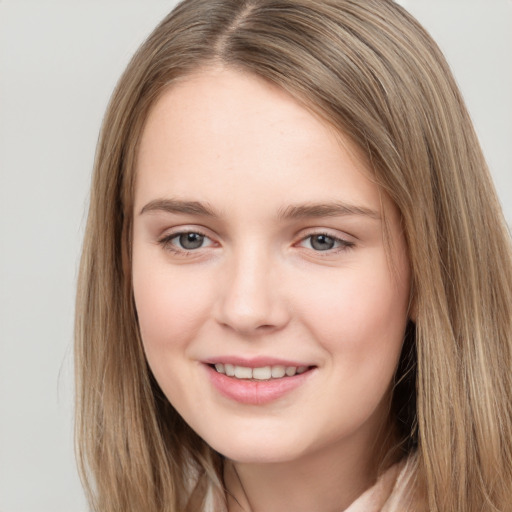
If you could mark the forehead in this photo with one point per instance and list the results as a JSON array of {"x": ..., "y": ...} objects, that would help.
[{"x": 225, "y": 128}]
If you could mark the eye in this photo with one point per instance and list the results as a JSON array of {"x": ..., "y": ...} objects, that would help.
[
  {"x": 324, "y": 242},
  {"x": 186, "y": 241},
  {"x": 190, "y": 241}
]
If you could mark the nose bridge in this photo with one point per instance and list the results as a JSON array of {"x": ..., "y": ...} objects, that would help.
[{"x": 251, "y": 300}]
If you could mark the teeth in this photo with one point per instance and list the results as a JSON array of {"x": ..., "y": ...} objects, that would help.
[
  {"x": 261, "y": 373},
  {"x": 278, "y": 372},
  {"x": 291, "y": 371},
  {"x": 242, "y": 372}
]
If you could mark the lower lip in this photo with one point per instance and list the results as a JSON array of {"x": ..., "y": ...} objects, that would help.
[{"x": 254, "y": 392}]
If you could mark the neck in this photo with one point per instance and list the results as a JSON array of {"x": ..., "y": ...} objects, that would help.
[{"x": 326, "y": 480}]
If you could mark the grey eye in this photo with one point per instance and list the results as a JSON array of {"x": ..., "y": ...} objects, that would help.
[
  {"x": 190, "y": 241},
  {"x": 322, "y": 242}
]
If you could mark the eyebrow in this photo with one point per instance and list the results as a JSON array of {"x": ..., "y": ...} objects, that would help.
[
  {"x": 178, "y": 206},
  {"x": 291, "y": 212},
  {"x": 332, "y": 209}
]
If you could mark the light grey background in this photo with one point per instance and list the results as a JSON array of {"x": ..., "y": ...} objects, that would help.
[{"x": 59, "y": 61}]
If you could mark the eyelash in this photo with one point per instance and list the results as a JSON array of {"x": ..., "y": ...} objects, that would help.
[
  {"x": 166, "y": 242},
  {"x": 344, "y": 245}
]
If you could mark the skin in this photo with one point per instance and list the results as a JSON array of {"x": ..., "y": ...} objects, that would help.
[{"x": 259, "y": 286}]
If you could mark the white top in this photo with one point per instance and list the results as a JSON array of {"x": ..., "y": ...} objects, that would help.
[{"x": 389, "y": 492}]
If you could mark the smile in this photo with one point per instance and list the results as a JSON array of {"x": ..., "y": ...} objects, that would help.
[
  {"x": 260, "y": 373},
  {"x": 259, "y": 383}
]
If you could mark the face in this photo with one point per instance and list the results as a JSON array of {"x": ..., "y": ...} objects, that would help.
[{"x": 271, "y": 310}]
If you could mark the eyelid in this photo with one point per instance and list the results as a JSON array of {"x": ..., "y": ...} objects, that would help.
[
  {"x": 342, "y": 243},
  {"x": 166, "y": 240},
  {"x": 345, "y": 242}
]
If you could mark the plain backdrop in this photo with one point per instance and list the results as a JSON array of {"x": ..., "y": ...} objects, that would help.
[{"x": 59, "y": 61}]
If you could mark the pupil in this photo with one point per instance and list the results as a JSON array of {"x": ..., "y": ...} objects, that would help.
[
  {"x": 322, "y": 242},
  {"x": 191, "y": 240}
]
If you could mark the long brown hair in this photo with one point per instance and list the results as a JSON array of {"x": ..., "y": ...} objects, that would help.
[{"x": 368, "y": 68}]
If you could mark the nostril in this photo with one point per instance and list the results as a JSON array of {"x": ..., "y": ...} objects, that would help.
[{"x": 266, "y": 327}]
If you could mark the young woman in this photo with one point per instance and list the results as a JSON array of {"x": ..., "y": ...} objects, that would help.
[{"x": 296, "y": 283}]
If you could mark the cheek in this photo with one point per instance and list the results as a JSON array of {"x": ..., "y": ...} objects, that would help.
[
  {"x": 360, "y": 318},
  {"x": 360, "y": 324},
  {"x": 358, "y": 303},
  {"x": 171, "y": 308}
]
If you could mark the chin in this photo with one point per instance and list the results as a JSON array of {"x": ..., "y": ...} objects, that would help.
[
  {"x": 251, "y": 456},
  {"x": 260, "y": 450}
]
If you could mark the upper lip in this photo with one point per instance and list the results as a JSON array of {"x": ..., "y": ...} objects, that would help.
[{"x": 254, "y": 362}]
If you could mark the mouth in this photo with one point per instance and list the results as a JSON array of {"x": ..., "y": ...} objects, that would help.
[
  {"x": 261, "y": 373},
  {"x": 258, "y": 381}
]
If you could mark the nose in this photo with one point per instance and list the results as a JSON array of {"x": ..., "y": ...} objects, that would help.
[{"x": 251, "y": 299}]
